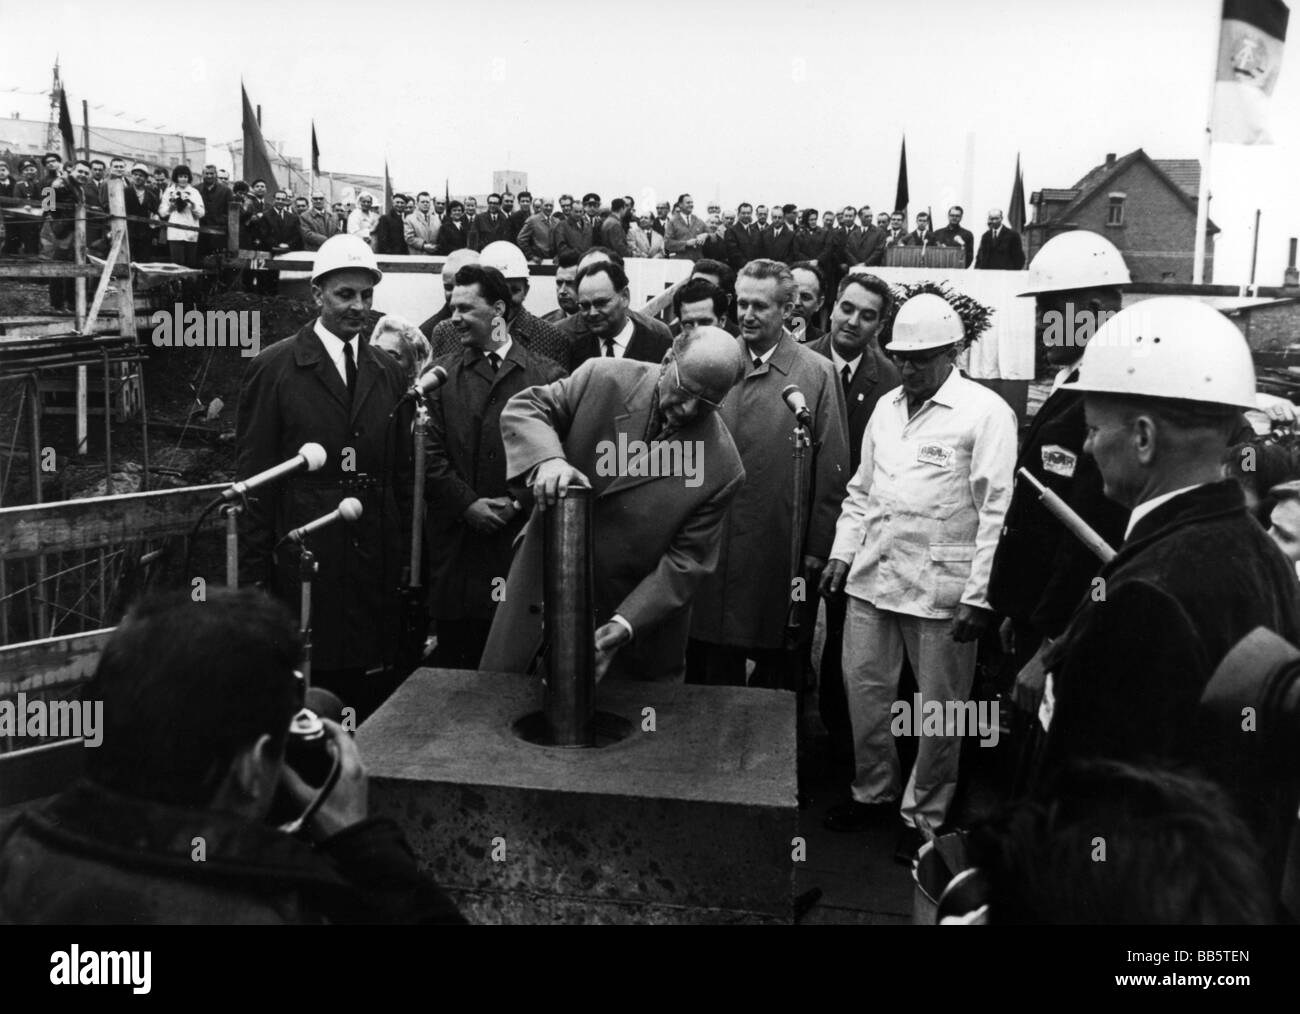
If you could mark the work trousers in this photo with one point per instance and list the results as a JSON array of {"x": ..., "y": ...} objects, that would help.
[{"x": 875, "y": 643}]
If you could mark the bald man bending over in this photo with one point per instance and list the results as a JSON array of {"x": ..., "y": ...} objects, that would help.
[{"x": 645, "y": 437}]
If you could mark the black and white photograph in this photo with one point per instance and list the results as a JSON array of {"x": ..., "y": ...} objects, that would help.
[{"x": 656, "y": 464}]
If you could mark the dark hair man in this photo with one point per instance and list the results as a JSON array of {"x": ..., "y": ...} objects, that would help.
[
  {"x": 215, "y": 223},
  {"x": 192, "y": 756},
  {"x": 809, "y": 296},
  {"x": 473, "y": 518},
  {"x": 744, "y": 239},
  {"x": 490, "y": 226},
  {"x": 603, "y": 302},
  {"x": 686, "y": 232},
  {"x": 699, "y": 303},
  {"x": 566, "y": 287},
  {"x": 779, "y": 240},
  {"x": 955, "y": 235},
  {"x": 1000, "y": 248}
]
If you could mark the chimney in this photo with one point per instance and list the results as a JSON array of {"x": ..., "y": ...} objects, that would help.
[
  {"x": 1291, "y": 279},
  {"x": 1110, "y": 159}
]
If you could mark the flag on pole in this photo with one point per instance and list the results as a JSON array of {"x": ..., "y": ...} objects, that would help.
[
  {"x": 446, "y": 190},
  {"x": 315, "y": 151},
  {"x": 1016, "y": 209},
  {"x": 257, "y": 160},
  {"x": 65, "y": 130},
  {"x": 901, "y": 199},
  {"x": 1251, "y": 39},
  {"x": 388, "y": 190}
]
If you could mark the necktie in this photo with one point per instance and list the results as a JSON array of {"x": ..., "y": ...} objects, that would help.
[
  {"x": 609, "y": 348},
  {"x": 494, "y": 361},
  {"x": 846, "y": 375},
  {"x": 350, "y": 367},
  {"x": 757, "y": 362}
]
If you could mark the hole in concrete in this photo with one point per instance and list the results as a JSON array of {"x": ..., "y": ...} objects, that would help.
[{"x": 607, "y": 729}]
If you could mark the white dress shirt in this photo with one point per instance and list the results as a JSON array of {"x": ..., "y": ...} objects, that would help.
[
  {"x": 922, "y": 516},
  {"x": 1143, "y": 509},
  {"x": 620, "y": 340},
  {"x": 840, "y": 362},
  {"x": 334, "y": 348}
]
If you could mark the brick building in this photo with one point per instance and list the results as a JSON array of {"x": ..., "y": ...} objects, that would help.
[{"x": 1145, "y": 206}]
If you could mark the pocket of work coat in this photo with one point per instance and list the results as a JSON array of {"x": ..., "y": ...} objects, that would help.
[{"x": 950, "y": 564}]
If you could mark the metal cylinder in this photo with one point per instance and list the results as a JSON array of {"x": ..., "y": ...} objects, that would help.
[{"x": 569, "y": 618}]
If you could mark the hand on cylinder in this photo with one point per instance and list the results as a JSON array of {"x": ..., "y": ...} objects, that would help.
[
  {"x": 552, "y": 478},
  {"x": 609, "y": 638}
]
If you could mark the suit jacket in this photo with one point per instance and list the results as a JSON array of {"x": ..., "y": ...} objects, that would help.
[
  {"x": 743, "y": 244},
  {"x": 863, "y": 246},
  {"x": 654, "y": 537},
  {"x": 780, "y": 248},
  {"x": 389, "y": 236},
  {"x": 810, "y": 244},
  {"x": 292, "y": 393},
  {"x": 575, "y": 331},
  {"x": 948, "y": 236},
  {"x": 744, "y": 603},
  {"x": 484, "y": 231},
  {"x": 316, "y": 227},
  {"x": 680, "y": 230},
  {"x": 647, "y": 345},
  {"x": 895, "y": 238},
  {"x": 419, "y": 229},
  {"x": 541, "y": 339},
  {"x": 216, "y": 208},
  {"x": 1004, "y": 254},
  {"x": 452, "y": 236},
  {"x": 874, "y": 376},
  {"x": 536, "y": 237},
  {"x": 614, "y": 236},
  {"x": 573, "y": 233},
  {"x": 517, "y": 219},
  {"x": 914, "y": 238},
  {"x": 467, "y": 461}
]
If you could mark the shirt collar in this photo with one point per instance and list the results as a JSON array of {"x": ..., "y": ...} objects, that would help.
[
  {"x": 503, "y": 349},
  {"x": 1147, "y": 506},
  {"x": 840, "y": 362},
  {"x": 332, "y": 342},
  {"x": 766, "y": 355},
  {"x": 625, "y": 336}
]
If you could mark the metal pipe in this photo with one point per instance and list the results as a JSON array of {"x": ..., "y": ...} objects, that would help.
[{"x": 569, "y": 617}]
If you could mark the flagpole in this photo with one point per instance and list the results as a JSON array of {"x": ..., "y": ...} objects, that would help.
[{"x": 1207, "y": 151}]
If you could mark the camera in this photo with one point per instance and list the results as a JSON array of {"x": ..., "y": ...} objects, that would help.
[{"x": 307, "y": 748}]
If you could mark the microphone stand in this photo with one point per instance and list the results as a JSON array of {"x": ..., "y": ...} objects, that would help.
[
  {"x": 414, "y": 617},
  {"x": 801, "y": 440},
  {"x": 307, "y": 568},
  {"x": 231, "y": 511}
]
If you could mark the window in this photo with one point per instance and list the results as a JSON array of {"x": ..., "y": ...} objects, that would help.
[{"x": 1115, "y": 210}]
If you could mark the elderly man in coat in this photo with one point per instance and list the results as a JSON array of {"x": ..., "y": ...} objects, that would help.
[
  {"x": 742, "y": 608},
  {"x": 656, "y": 535},
  {"x": 328, "y": 385}
]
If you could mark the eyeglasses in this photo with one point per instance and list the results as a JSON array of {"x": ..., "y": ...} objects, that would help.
[
  {"x": 677, "y": 381},
  {"x": 920, "y": 361}
]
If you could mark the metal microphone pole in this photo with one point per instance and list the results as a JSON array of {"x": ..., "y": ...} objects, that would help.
[
  {"x": 232, "y": 512},
  {"x": 307, "y": 568},
  {"x": 802, "y": 441}
]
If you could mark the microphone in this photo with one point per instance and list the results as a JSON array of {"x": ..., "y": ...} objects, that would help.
[
  {"x": 794, "y": 400},
  {"x": 310, "y": 456},
  {"x": 427, "y": 384},
  {"x": 349, "y": 509}
]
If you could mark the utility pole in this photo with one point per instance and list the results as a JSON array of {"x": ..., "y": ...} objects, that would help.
[{"x": 85, "y": 129}]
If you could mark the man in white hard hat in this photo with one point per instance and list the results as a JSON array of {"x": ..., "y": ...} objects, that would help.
[
  {"x": 1164, "y": 383},
  {"x": 533, "y": 333},
  {"x": 328, "y": 385},
  {"x": 913, "y": 549},
  {"x": 1041, "y": 570}
]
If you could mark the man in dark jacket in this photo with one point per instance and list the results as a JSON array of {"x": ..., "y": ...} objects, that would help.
[
  {"x": 744, "y": 239},
  {"x": 327, "y": 385},
  {"x": 778, "y": 241},
  {"x": 1164, "y": 383},
  {"x": 473, "y": 519},
  {"x": 603, "y": 302},
  {"x": 215, "y": 222},
  {"x": 955, "y": 235},
  {"x": 174, "y": 820},
  {"x": 1000, "y": 247},
  {"x": 490, "y": 226},
  {"x": 389, "y": 237},
  {"x": 861, "y": 307}
]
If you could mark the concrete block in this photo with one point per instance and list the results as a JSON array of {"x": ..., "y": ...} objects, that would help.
[{"x": 690, "y": 823}]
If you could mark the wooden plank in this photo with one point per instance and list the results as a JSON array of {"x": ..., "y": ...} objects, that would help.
[
  {"x": 59, "y": 269},
  {"x": 95, "y": 522},
  {"x": 41, "y": 771},
  {"x": 92, "y": 317},
  {"x": 50, "y": 662}
]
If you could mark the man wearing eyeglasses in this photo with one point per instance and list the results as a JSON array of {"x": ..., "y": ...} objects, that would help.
[
  {"x": 577, "y": 231},
  {"x": 913, "y": 550},
  {"x": 656, "y": 536},
  {"x": 603, "y": 301},
  {"x": 490, "y": 225}
]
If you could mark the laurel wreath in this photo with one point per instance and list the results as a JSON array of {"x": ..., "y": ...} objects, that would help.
[{"x": 976, "y": 318}]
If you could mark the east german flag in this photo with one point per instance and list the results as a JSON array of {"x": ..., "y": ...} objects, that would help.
[{"x": 1250, "y": 58}]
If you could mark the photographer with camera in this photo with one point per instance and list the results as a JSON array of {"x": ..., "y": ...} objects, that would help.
[
  {"x": 182, "y": 205},
  {"x": 173, "y": 821}
]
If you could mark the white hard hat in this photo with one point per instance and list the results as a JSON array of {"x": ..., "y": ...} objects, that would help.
[
  {"x": 1169, "y": 347},
  {"x": 1076, "y": 260},
  {"x": 140, "y": 167},
  {"x": 926, "y": 321},
  {"x": 506, "y": 258},
  {"x": 345, "y": 251}
]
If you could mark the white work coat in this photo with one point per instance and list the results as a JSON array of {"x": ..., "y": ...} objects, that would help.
[{"x": 922, "y": 516}]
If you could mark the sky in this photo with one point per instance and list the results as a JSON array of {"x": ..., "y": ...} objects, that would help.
[{"x": 802, "y": 101}]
